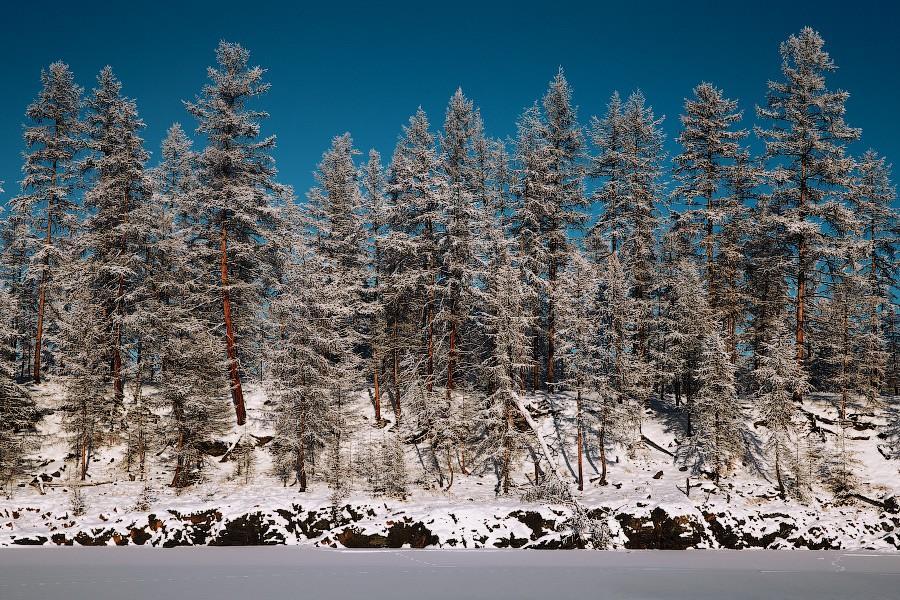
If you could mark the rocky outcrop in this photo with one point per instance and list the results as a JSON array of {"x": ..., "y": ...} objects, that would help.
[{"x": 540, "y": 527}]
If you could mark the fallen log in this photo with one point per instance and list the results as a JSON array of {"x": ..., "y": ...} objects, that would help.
[{"x": 656, "y": 446}]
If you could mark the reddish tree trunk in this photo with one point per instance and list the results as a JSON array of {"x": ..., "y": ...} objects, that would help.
[
  {"x": 603, "y": 452},
  {"x": 396, "y": 375},
  {"x": 118, "y": 384},
  {"x": 451, "y": 360},
  {"x": 429, "y": 368},
  {"x": 237, "y": 392},
  {"x": 580, "y": 442},
  {"x": 551, "y": 320},
  {"x": 507, "y": 451},
  {"x": 40, "y": 327},
  {"x": 375, "y": 370},
  {"x": 801, "y": 272}
]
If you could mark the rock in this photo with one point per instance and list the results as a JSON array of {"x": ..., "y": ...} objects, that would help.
[
  {"x": 661, "y": 531},
  {"x": 658, "y": 475}
]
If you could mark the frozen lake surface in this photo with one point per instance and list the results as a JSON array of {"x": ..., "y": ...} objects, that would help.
[{"x": 258, "y": 573}]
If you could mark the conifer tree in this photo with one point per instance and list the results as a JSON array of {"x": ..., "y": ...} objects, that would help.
[
  {"x": 552, "y": 201},
  {"x": 809, "y": 171},
  {"x": 704, "y": 170},
  {"x": 460, "y": 202},
  {"x": 527, "y": 228},
  {"x": 53, "y": 141},
  {"x": 778, "y": 378},
  {"x": 504, "y": 324},
  {"x": 718, "y": 417},
  {"x": 17, "y": 410},
  {"x": 579, "y": 344},
  {"x": 374, "y": 214},
  {"x": 237, "y": 200},
  {"x": 110, "y": 238},
  {"x": 412, "y": 257}
]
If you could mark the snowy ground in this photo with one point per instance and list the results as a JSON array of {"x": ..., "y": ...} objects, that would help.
[
  {"x": 645, "y": 504},
  {"x": 227, "y": 574}
]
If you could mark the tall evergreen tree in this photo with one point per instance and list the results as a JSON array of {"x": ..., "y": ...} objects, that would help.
[
  {"x": 53, "y": 141},
  {"x": 809, "y": 171},
  {"x": 778, "y": 379},
  {"x": 412, "y": 259},
  {"x": 111, "y": 238},
  {"x": 710, "y": 153},
  {"x": 374, "y": 214},
  {"x": 17, "y": 410},
  {"x": 552, "y": 200},
  {"x": 238, "y": 201}
]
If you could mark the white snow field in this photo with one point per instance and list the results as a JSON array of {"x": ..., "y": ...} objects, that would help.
[
  {"x": 239, "y": 573},
  {"x": 645, "y": 506}
]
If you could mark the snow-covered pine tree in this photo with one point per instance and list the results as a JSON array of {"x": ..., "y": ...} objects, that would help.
[
  {"x": 644, "y": 149},
  {"x": 764, "y": 265},
  {"x": 871, "y": 197},
  {"x": 551, "y": 203},
  {"x": 336, "y": 232},
  {"x": 629, "y": 374},
  {"x": 301, "y": 357},
  {"x": 809, "y": 170},
  {"x": 53, "y": 141},
  {"x": 175, "y": 297},
  {"x": 411, "y": 259},
  {"x": 527, "y": 224},
  {"x": 610, "y": 165},
  {"x": 579, "y": 336},
  {"x": 731, "y": 269},
  {"x": 683, "y": 319},
  {"x": 504, "y": 322},
  {"x": 777, "y": 379},
  {"x": 237, "y": 201},
  {"x": 374, "y": 218},
  {"x": 629, "y": 165},
  {"x": 17, "y": 410},
  {"x": 111, "y": 241},
  {"x": 14, "y": 259},
  {"x": 718, "y": 416},
  {"x": 89, "y": 407},
  {"x": 461, "y": 200},
  {"x": 703, "y": 170},
  {"x": 564, "y": 199}
]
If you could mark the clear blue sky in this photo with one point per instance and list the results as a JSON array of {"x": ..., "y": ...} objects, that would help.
[{"x": 365, "y": 67}]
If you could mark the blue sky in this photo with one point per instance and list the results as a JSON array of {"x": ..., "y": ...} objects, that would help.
[{"x": 365, "y": 67}]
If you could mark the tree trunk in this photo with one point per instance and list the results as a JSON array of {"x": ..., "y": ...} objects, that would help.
[
  {"x": 40, "y": 324},
  {"x": 42, "y": 293},
  {"x": 801, "y": 272},
  {"x": 375, "y": 369},
  {"x": 551, "y": 319},
  {"x": 451, "y": 358},
  {"x": 396, "y": 375},
  {"x": 507, "y": 450},
  {"x": 580, "y": 441},
  {"x": 602, "y": 442},
  {"x": 301, "y": 455},
  {"x": 689, "y": 407},
  {"x": 781, "y": 491},
  {"x": 118, "y": 384},
  {"x": 237, "y": 392}
]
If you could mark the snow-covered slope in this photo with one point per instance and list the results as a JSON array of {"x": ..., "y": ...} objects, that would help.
[{"x": 650, "y": 502}]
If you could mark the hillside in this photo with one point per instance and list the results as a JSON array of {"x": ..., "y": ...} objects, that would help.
[{"x": 645, "y": 504}]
